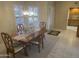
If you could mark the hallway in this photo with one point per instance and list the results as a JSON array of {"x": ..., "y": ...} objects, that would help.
[{"x": 74, "y": 28}]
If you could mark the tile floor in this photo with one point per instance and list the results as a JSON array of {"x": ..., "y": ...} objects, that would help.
[{"x": 66, "y": 45}]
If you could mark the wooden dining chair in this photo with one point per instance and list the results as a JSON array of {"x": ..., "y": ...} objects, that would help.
[
  {"x": 43, "y": 25},
  {"x": 39, "y": 36},
  {"x": 37, "y": 41},
  {"x": 20, "y": 28},
  {"x": 43, "y": 31},
  {"x": 11, "y": 47}
]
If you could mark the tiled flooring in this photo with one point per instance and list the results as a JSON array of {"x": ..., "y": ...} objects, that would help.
[
  {"x": 63, "y": 46},
  {"x": 74, "y": 28},
  {"x": 67, "y": 46}
]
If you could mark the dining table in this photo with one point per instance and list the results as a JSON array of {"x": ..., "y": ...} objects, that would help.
[{"x": 26, "y": 37}]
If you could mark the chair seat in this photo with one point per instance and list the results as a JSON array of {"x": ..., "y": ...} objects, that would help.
[
  {"x": 17, "y": 47},
  {"x": 34, "y": 42}
]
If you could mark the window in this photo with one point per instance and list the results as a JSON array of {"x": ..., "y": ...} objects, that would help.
[
  {"x": 29, "y": 17},
  {"x": 18, "y": 15},
  {"x": 33, "y": 16}
]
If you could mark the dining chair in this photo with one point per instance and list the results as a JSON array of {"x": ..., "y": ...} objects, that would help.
[
  {"x": 39, "y": 36},
  {"x": 43, "y": 31},
  {"x": 20, "y": 28},
  {"x": 11, "y": 47},
  {"x": 36, "y": 41},
  {"x": 42, "y": 37}
]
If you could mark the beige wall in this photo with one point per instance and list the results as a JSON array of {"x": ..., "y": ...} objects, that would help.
[
  {"x": 61, "y": 13},
  {"x": 43, "y": 11},
  {"x": 7, "y": 19}
]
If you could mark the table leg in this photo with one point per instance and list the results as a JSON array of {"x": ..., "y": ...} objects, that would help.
[{"x": 25, "y": 51}]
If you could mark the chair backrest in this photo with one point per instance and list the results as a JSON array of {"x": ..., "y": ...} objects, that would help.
[
  {"x": 7, "y": 41},
  {"x": 43, "y": 26},
  {"x": 20, "y": 28}
]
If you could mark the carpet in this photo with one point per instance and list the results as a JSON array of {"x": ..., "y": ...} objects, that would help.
[{"x": 53, "y": 32}]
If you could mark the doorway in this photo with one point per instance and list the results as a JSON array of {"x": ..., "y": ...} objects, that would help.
[{"x": 73, "y": 18}]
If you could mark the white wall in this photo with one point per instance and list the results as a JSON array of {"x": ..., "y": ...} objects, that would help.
[{"x": 50, "y": 15}]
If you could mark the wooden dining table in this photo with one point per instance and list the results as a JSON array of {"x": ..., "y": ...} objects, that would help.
[{"x": 25, "y": 38}]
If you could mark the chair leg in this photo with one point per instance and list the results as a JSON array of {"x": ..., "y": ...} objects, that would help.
[
  {"x": 7, "y": 54},
  {"x": 39, "y": 48},
  {"x": 30, "y": 46},
  {"x": 25, "y": 51},
  {"x": 13, "y": 55},
  {"x": 42, "y": 43}
]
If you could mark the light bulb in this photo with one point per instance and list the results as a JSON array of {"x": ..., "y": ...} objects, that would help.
[{"x": 25, "y": 13}]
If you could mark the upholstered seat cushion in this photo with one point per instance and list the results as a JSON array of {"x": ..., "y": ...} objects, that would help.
[
  {"x": 17, "y": 47},
  {"x": 34, "y": 42}
]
